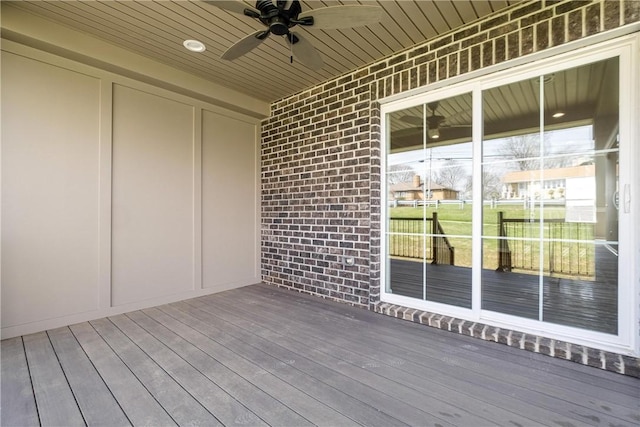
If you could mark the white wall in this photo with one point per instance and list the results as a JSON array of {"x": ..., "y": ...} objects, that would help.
[
  {"x": 223, "y": 205},
  {"x": 117, "y": 195},
  {"x": 50, "y": 249},
  {"x": 153, "y": 197}
]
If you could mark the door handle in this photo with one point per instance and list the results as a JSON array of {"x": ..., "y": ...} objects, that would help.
[{"x": 627, "y": 198}]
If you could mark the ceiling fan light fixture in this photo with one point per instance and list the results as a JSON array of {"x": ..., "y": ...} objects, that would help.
[
  {"x": 194, "y": 45},
  {"x": 433, "y": 133},
  {"x": 558, "y": 115}
]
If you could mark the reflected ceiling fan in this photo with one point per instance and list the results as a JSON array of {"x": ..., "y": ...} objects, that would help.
[
  {"x": 281, "y": 16},
  {"x": 435, "y": 122}
]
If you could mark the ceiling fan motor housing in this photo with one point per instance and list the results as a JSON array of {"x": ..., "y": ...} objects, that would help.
[
  {"x": 278, "y": 26},
  {"x": 277, "y": 18}
]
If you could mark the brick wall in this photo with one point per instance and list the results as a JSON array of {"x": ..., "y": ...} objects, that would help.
[{"x": 321, "y": 147}]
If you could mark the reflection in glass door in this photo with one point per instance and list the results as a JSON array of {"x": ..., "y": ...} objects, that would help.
[
  {"x": 550, "y": 222},
  {"x": 429, "y": 188}
]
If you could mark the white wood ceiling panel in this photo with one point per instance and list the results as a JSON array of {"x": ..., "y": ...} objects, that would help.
[
  {"x": 412, "y": 10},
  {"x": 485, "y": 8},
  {"x": 123, "y": 27},
  {"x": 156, "y": 29},
  {"x": 404, "y": 30},
  {"x": 450, "y": 13},
  {"x": 468, "y": 12},
  {"x": 432, "y": 13}
]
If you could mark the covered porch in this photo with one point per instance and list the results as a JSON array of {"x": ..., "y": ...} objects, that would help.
[{"x": 260, "y": 355}]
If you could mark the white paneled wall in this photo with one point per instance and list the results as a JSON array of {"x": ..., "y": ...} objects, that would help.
[
  {"x": 50, "y": 249},
  {"x": 117, "y": 195},
  {"x": 227, "y": 198},
  {"x": 153, "y": 197}
]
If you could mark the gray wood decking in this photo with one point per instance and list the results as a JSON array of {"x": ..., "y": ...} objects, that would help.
[{"x": 264, "y": 356}]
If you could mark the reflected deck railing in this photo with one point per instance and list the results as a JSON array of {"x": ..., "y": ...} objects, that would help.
[
  {"x": 407, "y": 240},
  {"x": 568, "y": 247}
]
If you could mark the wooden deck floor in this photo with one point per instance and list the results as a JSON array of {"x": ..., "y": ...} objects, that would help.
[{"x": 264, "y": 356}]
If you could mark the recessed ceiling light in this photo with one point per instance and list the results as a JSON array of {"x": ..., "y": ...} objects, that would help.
[
  {"x": 558, "y": 115},
  {"x": 194, "y": 45}
]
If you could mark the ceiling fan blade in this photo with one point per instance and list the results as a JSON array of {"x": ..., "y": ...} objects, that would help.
[
  {"x": 412, "y": 120},
  {"x": 231, "y": 6},
  {"x": 339, "y": 17},
  {"x": 304, "y": 51},
  {"x": 245, "y": 45}
]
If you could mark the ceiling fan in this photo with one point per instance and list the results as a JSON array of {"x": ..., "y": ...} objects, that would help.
[
  {"x": 435, "y": 122},
  {"x": 282, "y": 15}
]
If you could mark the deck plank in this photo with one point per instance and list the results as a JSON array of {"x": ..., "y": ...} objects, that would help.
[
  {"x": 439, "y": 404},
  {"x": 437, "y": 377},
  {"x": 272, "y": 411},
  {"x": 210, "y": 395},
  {"x": 97, "y": 404},
  {"x": 291, "y": 370},
  {"x": 54, "y": 398},
  {"x": 403, "y": 333},
  {"x": 294, "y": 398},
  {"x": 182, "y": 407},
  {"x": 18, "y": 403},
  {"x": 400, "y": 333},
  {"x": 263, "y": 355},
  {"x": 500, "y": 379},
  {"x": 136, "y": 402}
]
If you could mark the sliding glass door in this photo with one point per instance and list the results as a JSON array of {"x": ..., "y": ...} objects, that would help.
[{"x": 503, "y": 199}]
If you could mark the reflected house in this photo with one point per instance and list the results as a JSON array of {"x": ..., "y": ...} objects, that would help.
[
  {"x": 416, "y": 190},
  {"x": 550, "y": 183}
]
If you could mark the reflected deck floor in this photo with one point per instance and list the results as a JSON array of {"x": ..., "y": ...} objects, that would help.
[{"x": 584, "y": 304}]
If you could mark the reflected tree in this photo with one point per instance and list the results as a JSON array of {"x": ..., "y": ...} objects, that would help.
[
  {"x": 400, "y": 173},
  {"x": 491, "y": 185},
  {"x": 525, "y": 149},
  {"x": 451, "y": 175}
]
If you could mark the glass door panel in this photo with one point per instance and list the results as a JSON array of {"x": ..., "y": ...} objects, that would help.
[
  {"x": 449, "y": 166},
  {"x": 428, "y": 194},
  {"x": 407, "y": 250},
  {"x": 550, "y": 225},
  {"x": 580, "y": 274},
  {"x": 511, "y": 179}
]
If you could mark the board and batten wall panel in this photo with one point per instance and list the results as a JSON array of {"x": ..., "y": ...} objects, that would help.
[
  {"x": 105, "y": 194},
  {"x": 50, "y": 191},
  {"x": 153, "y": 196},
  {"x": 229, "y": 202}
]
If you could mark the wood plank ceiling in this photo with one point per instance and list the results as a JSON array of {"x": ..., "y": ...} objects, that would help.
[{"x": 157, "y": 29}]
